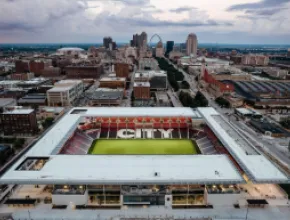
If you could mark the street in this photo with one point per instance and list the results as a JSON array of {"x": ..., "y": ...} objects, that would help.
[{"x": 255, "y": 138}]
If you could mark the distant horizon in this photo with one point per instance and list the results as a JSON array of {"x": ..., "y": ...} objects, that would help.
[
  {"x": 81, "y": 43},
  {"x": 240, "y": 22}
]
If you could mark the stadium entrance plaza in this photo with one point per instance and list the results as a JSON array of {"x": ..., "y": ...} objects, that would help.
[
  {"x": 44, "y": 212},
  {"x": 104, "y": 197}
]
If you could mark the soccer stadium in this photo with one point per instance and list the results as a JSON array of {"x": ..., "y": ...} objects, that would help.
[{"x": 100, "y": 158}]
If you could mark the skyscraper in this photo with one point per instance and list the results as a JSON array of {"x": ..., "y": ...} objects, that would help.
[
  {"x": 191, "y": 45},
  {"x": 143, "y": 40},
  {"x": 169, "y": 47},
  {"x": 159, "y": 49},
  {"x": 288, "y": 54},
  {"x": 139, "y": 41},
  {"x": 107, "y": 41}
]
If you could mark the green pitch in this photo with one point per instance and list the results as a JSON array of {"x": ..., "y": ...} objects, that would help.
[{"x": 143, "y": 147}]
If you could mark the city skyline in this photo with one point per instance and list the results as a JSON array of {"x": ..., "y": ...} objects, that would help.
[{"x": 238, "y": 21}]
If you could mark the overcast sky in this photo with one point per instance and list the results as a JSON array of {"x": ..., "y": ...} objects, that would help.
[{"x": 87, "y": 21}]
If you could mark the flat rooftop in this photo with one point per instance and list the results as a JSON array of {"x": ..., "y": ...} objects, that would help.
[
  {"x": 141, "y": 169},
  {"x": 257, "y": 166},
  {"x": 93, "y": 169},
  {"x": 105, "y": 79},
  {"x": 68, "y": 81},
  {"x": 6, "y": 101},
  {"x": 18, "y": 112},
  {"x": 150, "y": 73},
  {"x": 141, "y": 84},
  {"x": 9, "y": 82}
]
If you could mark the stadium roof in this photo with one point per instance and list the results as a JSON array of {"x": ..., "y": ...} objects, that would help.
[
  {"x": 257, "y": 166},
  {"x": 93, "y": 169},
  {"x": 70, "y": 49}
]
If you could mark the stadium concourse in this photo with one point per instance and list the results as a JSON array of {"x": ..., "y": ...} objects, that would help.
[{"x": 112, "y": 158}]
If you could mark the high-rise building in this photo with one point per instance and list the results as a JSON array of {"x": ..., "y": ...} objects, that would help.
[
  {"x": 191, "y": 45},
  {"x": 107, "y": 41},
  {"x": 140, "y": 41},
  {"x": 159, "y": 49},
  {"x": 288, "y": 54},
  {"x": 169, "y": 47},
  {"x": 143, "y": 40}
]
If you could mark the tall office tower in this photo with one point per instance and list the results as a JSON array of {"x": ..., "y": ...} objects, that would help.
[
  {"x": 159, "y": 49},
  {"x": 134, "y": 42},
  {"x": 139, "y": 41},
  {"x": 191, "y": 45},
  {"x": 169, "y": 47},
  {"x": 288, "y": 54},
  {"x": 107, "y": 41},
  {"x": 143, "y": 40}
]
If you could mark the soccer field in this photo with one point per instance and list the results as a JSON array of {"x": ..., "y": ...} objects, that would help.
[{"x": 143, "y": 147}]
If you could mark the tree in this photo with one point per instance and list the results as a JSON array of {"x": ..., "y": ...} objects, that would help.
[
  {"x": 185, "y": 85},
  {"x": 223, "y": 102},
  {"x": 249, "y": 102},
  {"x": 47, "y": 122},
  {"x": 18, "y": 143}
]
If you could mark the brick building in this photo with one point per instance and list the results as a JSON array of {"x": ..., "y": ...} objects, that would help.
[
  {"x": 122, "y": 70},
  {"x": 216, "y": 87},
  {"x": 51, "y": 72},
  {"x": 18, "y": 121},
  {"x": 80, "y": 72},
  {"x": 21, "y": 66},
  {"x": 112, "y": 82},
  {"x": 34, "y": 66},
  {"x": 236, "y": 59},
  {"x": 142, "y": 90},
  {"x": 255, "y": 60},
  {"x": 22, "y": 76}
]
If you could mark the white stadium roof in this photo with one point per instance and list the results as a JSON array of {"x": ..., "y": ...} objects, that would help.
[
  {"x": 64, "y": 49},
  {"x": 257, "y": 166},
  {"x": 93, "y": 169}
]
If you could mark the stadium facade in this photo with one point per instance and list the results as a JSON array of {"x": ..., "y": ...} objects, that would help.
[{"x": 92, "y": 158}]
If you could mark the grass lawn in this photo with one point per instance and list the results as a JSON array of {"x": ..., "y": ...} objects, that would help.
[{"x": 143, "y": 147}]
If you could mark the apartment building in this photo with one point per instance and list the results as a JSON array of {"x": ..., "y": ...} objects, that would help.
[
  {"x": 255, "y": 60},
  {"x": 142, "y": 90},
  {"x": 18, "y": 121},
  {"x": 113, "y": 82},
  {"x": 64, "y": 92}
]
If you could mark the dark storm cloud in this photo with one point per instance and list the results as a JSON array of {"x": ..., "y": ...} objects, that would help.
[
  {"x": 43, "y": 14},
  {"x": 182, "y": 9},
  {"x": 15, "y": 26},
  {"x": 259, "y": 5}
]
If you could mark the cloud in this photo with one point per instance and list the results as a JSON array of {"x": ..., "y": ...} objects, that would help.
[
  {"x": 265, "y": 12},
  {"x": 182, "y": 9},
  {"x": 259, "y": 5},
  {"x": 152, "y": 22},
  {"x": 33, "y": 15}
]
